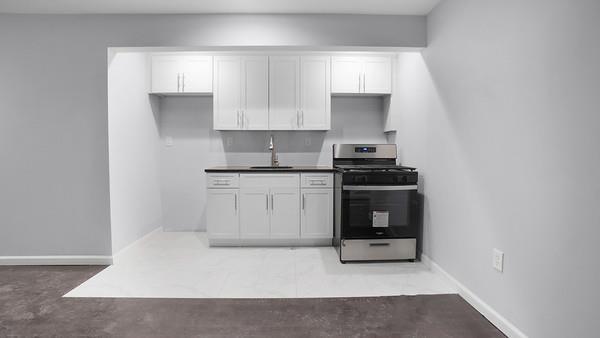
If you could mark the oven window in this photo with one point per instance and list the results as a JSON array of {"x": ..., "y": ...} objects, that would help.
[{"x": 368, "y": 213}]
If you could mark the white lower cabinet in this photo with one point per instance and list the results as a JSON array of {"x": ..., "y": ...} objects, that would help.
[
  {"x": 285, "y": 213},
  {"x": 254, "y": 213},
  {"x": 271, "y": 209},
  {"x": 317, "y": 213},
  {"x": 223, "y": 213}
]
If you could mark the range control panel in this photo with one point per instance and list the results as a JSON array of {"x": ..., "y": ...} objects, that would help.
[{"x": 365, "y": 149}]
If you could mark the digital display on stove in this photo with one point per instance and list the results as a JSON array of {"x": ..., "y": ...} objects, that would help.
[{"x": 365, "y": 150}]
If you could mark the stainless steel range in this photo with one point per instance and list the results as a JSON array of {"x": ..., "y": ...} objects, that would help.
[{"x": 377, "y": 209}]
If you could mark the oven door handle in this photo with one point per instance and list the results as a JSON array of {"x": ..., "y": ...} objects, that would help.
[{"x": 380, "y": 187}]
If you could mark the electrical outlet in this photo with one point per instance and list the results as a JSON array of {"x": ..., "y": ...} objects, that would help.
[
  {"x": 169, "y": 141},
  {"x": 498, "y": 260}
]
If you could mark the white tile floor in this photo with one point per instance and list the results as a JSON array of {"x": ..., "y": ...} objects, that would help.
[{"x": 181, "y": 265}]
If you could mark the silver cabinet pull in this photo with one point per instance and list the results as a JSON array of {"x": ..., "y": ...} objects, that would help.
[
  {"x": 272, "y": 204},
  {"x": 178, "y": 81},
  {"x": 235, "y": 200},
  {"x": 238, "y": 118},
  {"x": 267, "y": 204},
  {"x": 379, "y": 244},
  {"x": 303, "y": 202},
  {"x": 364, "y": 85},
  {"x": 243, "y": 119},
  {"x": 183, "y": 82},
  {"x": 302, "y": 115},
  {"x": 359, "y": 82}
]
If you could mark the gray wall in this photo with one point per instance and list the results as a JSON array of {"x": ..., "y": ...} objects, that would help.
[
  {"x": 54, "y": 196},
  {"x": 512, "y": 136},
  {"x": 188, "y": 122},
  {"x": 133, "y": 146}
]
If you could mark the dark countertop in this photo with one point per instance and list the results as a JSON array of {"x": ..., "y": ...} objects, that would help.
[{"x": 247, "y": 169}]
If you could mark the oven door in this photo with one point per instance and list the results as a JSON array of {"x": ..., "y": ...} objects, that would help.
[{"x": 379, "y": 211}]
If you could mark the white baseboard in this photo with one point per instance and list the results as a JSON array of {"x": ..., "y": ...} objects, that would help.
[
  {"x": 56, "y": 260},
  {"x": 485, "y": 309}
]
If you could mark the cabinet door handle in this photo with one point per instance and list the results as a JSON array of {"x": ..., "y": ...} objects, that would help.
[
  {"x": 183, "y": 82},
  {"x": 364, "y": 81},
  {"x": 238, "y": 118},
  {"x": 272, "y": 204},
  {"x": 303, "y": 202},
  {"x": 267, "y": 200},
  {"x": 302, "y": 115},
  {"x": 359, "y": 82},
  {"x": 243, "y": 119},
  {"x": 178, "y": 81},
  {"x": 235, "y": 200}
]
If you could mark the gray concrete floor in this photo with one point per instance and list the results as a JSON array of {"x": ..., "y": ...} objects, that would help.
[{"x": 31, "y": 305}]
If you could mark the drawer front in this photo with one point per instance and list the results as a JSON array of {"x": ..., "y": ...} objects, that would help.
[
  {"x": 270, "y": 180},
  {"x": 378, "y": 249},
  {"x": 223, "y": 180},
  {"x": 317, "y": 180}
]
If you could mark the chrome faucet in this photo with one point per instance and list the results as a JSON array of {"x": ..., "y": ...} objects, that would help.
[{"x": 274, "y": 160}]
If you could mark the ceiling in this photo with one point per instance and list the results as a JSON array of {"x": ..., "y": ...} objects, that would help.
[{"x": 391, "y": 7}]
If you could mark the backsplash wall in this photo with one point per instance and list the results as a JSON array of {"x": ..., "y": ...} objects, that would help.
[{"x": 187, "y": 121}]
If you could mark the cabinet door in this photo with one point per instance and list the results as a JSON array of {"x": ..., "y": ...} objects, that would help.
[
  {"x": 315, "y": 92},
  {"x": 285, "y": 217},
  {"x": 284, "y": 81},
  {"x": 255, "y": 93},
  {"x": 346, "y": 74},
  {"x": 222, "y": 213},
  {"x": 197, "y": 74},
  {"x": 165, "y": 74},
  {"x": 317, "y": 213},
  {"x": 254, "y": 213},
  {"x": 377, "y": 78},
  {"x": 227, "y": 91}
]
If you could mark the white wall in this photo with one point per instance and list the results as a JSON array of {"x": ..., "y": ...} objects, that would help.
[
  {"x": 510, "y": 156},
  {"x": 133, "y": 145},
  {"x": 54, "y": 186},
  {"x": 188, "y": 121}
]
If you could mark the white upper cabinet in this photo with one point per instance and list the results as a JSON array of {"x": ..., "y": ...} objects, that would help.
[
  {"x": 181, "y": 74},
  {"x": 197, "y": 74},
  {"x": 241, "y": 93},
  {"x": 284, "y": 92},
  {"x": 299, "y": 93},
  {"x": 346, "y": 74},
  {"x": 227, "y": 93},
  {"x": 315, "y": 93},
  {"x": 361, "y": 75},
  {"x": 255, "y": 93},
  {"x": 166, "y": 75},
  {"x": 377, "y": 76}
]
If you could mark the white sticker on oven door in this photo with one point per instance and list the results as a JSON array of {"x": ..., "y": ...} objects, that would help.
[{"x": 381, "y": 219}]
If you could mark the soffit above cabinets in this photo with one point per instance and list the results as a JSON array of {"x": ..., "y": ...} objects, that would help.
[{"x": 384, "y": 7}]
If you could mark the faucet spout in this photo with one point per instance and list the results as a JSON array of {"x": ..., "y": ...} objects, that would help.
[{"x": 274, "y": 161}]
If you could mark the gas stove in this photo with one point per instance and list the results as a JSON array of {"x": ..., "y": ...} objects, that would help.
[{"x": 377, "y": 204}]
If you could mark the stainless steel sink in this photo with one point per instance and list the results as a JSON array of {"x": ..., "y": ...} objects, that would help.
[{"x": 268, "y": 167}]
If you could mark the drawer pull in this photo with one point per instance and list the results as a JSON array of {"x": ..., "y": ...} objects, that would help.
[{"x": 379, "y": 244}]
